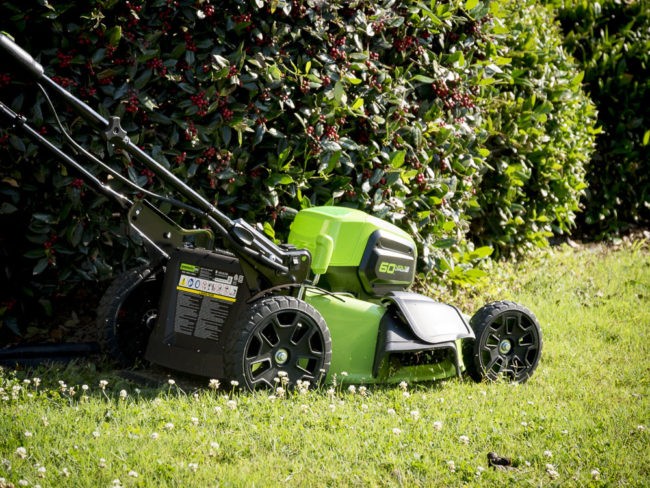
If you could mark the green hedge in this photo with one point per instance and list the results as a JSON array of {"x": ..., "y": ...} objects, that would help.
[
  {"x": 611, "y": 40},
  {"x": 402, "y": 109},
  {"x": 541, "y": 134}
]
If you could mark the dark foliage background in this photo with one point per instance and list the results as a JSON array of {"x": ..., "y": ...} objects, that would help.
[{"x": 611, "y": 41}]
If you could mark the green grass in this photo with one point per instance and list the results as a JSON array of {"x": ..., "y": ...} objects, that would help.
[{"x": 582, "y": 420}]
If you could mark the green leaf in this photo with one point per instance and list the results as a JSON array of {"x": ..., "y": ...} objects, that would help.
[
  {"x": 481, "y": 252},
  {"x": 41, "y": 265},
  {"x": 339, "y": 93},
  {"x": 397, "y": 159},
  {"x": 114, "y": 34}
]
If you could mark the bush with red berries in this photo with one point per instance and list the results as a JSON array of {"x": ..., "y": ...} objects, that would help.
[{"x": 396, "y": 108}]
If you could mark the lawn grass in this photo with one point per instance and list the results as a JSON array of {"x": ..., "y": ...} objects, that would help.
[{"x": 583, "y": 419}]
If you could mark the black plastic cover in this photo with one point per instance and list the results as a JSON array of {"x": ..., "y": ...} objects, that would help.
[
  {"x": 388, "y": 263},
  {"x": 203, "y": 292}
]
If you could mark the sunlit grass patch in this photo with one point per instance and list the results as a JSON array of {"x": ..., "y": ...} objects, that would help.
[{"x": 581, "y": 420}]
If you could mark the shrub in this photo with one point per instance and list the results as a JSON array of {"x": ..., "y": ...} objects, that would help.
[
  {"x": 611, "y": 40},
  {"x": 541, "y": 131},
  {"x": 270, "y": 107}
]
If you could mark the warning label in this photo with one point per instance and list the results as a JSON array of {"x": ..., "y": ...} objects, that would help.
[
  {"x": 210, "y": 288},
  {"x": 204, "y": 301}
]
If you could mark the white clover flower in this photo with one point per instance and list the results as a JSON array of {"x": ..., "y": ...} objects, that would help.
[
  {"x": 403, "y": 385},
  {"x": 595, "y": 474},
  {"x": 279, "y": 391},
  {"x": 640, "y": 428},
  {"x": 344, "y": 373},
  {"x": 214, "y": 384},
  {"x": 27, "y": 381},
  {"x": 168, "y": 426},
  {"x": 65, "y": 472},
  {"x": 332, "y": 407},
  {"x": 133, "y": 474},
  {"x": 479, "y": 470},
  {"x": 41, "y": 471},
  {"x": 231, "y": 404},
  {"x": 548, "y": 454},
  {"x": 154, "y": 435},
  {"x": 415, "y": 414},
  {"x": 364, "y": 407},
  {"x": 123, "y": 394},
  {"x": 84, "y": 388},
  {"x": 116, "y": 483},
  {"x": 463, "y": 439},
  {"x": 352, "y": 389},
  {"x": 96, "y": 434},
  {"x": 452, "y": 466},
  {"x": 390, "y": 411},
  {"x": 21, "y": 452},
  {"x": 234, "y": 383},
  {"x": 194, "y": 420},
  {"x": 552, "y": 472},
  {"x": 437, "y": 425},
  {"x": 103, "y": 384},
  {"x": 406, "y": 394},
  {"x": 363, "y": 391},
  {"x": 28, "y": 433},
  {"x": 283, "y": 374},
  {"x": 37, "y": 381},
  {"x": 193, "y": 466},
  {"x": 23, "y": 483},
  {"x": 217, "y": 410},
  {"x": 171, "y": 382},
  {"x": 397, "y": 431},
  {"x": 102, "y": 463}
]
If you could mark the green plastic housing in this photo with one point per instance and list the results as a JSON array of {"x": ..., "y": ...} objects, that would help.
[
  {"x": 354, "y": 324},
  {"x": 355, "y": 252}
]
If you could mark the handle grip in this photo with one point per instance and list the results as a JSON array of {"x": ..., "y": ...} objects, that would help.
[{"x": 22, "y": 57}]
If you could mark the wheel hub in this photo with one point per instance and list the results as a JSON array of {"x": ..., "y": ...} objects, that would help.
[
  {"x": 281, "y": 356},
  {"x": 505, "y": 346}
]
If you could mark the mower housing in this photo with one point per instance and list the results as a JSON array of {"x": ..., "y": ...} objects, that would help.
[{"x": 355, "y": 252}]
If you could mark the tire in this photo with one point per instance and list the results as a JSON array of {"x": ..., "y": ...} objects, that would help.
[
  {"x": 508, "y": 343},
  {"x": 277, "y": 336},
  {"x": 127, "y": 313}
]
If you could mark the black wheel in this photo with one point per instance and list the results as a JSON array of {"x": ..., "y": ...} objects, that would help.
[
  {"x": 127, "y": 313},
  {"x": 508, "y": 343},
  {"x": 278, "y": 335}
]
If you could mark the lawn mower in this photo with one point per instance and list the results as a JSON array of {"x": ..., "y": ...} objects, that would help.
[{"x": 225, "y": 301}]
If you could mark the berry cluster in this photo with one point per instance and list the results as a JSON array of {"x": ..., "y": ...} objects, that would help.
[
  {"x": 201, "y": 103},
  {"x": 64, "y": 59}
]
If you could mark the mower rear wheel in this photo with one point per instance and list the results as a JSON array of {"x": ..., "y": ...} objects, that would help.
[
  {"x": 508, "y": 343},
  {"x": 127, "y": 313},
  {"x": 278, "y": 336}
]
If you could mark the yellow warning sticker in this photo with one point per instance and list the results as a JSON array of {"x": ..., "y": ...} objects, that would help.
[{"x": 208, "y": 288}]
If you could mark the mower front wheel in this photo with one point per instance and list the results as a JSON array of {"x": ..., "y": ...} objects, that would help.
[
  {"x": 127, "y": 313},
  {"x": 508, "y": 343},
  {"x": 278, "y": 336}
]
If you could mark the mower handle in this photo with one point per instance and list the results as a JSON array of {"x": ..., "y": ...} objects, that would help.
[{"x": 21, "y": 56}]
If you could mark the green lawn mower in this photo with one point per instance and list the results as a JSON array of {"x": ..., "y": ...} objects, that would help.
[{"x": 225, "y": 301}]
